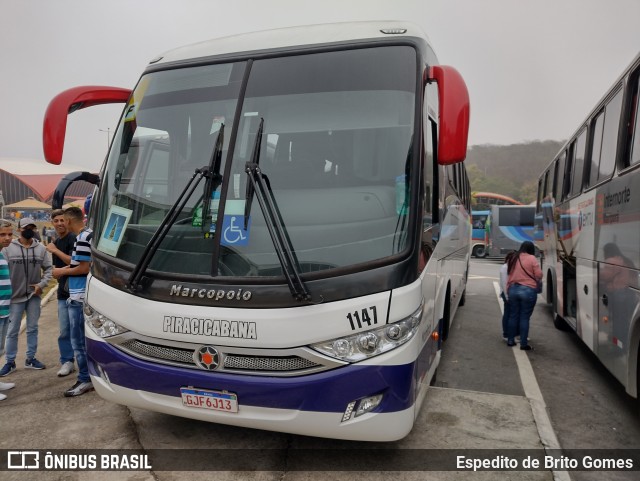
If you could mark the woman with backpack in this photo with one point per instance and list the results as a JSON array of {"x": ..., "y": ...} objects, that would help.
[{"x": 523, "y": 285}]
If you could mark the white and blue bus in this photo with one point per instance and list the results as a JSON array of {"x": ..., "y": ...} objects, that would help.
[
  {"x": 282, "y": 229},
  {"x": 510, "y": 226},
  {"x": 590, "y": 217}
]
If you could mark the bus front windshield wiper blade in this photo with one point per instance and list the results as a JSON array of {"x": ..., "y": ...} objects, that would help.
[
  {"x": 156, "y": 239},
  {"x": 212, "y": 173},
  {"x": 258, "y": 184},
  {"x": 214, "y": 179}
]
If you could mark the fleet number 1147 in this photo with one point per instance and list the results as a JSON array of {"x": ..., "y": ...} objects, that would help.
[{"x": 366, "y": 316}]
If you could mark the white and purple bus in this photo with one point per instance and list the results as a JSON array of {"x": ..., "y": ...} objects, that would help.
[{"x": 282, "y": 229}]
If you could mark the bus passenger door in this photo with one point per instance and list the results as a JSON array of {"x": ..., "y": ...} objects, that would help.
[
  {"x": 617, "y": 304},
  {"x": 587, "y": 319}
]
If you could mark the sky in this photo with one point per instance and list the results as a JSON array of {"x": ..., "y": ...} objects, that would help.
[{"x": 534, "y": 68}]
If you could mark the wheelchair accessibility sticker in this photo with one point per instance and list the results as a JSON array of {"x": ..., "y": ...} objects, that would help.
[{"x": 233, "y": 231}]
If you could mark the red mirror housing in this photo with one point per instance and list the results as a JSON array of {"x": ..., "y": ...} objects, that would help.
[
  {"x": 55, "y": 118},
  {"x": 454, "y": 114}
]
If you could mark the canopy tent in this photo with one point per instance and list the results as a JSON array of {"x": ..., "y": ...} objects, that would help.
[
  {"x": 75, "y": 203},
  {"x": 28, "y": 204}
]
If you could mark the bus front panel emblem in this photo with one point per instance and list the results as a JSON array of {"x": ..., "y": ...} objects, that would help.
[{"x": 206, "y": 357}]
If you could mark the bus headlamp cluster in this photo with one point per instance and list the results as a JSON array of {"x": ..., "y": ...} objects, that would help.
[
  {"x": 99, "y": 324},
  {"x": 364, "y": 345}
]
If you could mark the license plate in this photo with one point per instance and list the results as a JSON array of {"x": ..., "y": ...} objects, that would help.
[{"x": 213, "y": 400}]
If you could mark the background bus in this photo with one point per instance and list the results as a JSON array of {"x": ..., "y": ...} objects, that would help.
[
  {"x": 479, "y": 233},
  {"x": 590, "y": 215},
  {"x": 482, "y": 203},
  {"x": 510, "y": 226},
  {"x": 282, "y": 229}
]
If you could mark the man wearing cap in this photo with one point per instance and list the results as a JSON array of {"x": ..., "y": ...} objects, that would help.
[{"x": 31, "y": 270}]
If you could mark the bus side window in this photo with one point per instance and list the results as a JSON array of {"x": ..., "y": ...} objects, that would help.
[
  {"x": 554, "y": 182},
  {"x": 634, "y": 125},
  {"x": 610, "y": 136},
  {"x": 541, "y": 182},
  {"x": 563, "y": 178},
  {"x": 578, "y": 161},
  {"x": 597, "y": 126}
]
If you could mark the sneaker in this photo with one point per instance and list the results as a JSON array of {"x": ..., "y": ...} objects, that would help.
[
  {"x": 66, "y": 369},
  {"x": 7, "y": 368},
  {"x": 33, "y": 363},
  {"x": 2, "y": 397},
  {"x": 5, "y": 386},
  {"x": 526, "y": 348},
  {"x": 511, "y": 344},
  {"x": 78, "y": 389}
]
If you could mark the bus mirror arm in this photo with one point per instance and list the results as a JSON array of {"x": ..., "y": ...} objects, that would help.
[
  {"x": 453, "y": 103},
  {"x": 55, "y": 118},
  {"x": 58, "y": 195}
]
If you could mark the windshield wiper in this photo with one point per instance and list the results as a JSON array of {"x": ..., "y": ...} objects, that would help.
[
  {"x": 156, "y": 239},
  {"x": 214, "y": 179},
  {"x": 258, "y": 184},
  {"x": 255, "y": 160}
]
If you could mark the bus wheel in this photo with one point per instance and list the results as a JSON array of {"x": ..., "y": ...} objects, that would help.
[
  {"x": 479, "y": 251},
  {"x": 434, "y": 379},
  {"x": 560, "y": 323},
  {"x": 446, "y": 321}
]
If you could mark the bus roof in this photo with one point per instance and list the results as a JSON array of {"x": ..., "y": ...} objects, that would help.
[
  {"x": 306, "y": 35},
  {"x": 614, "y": 86}
]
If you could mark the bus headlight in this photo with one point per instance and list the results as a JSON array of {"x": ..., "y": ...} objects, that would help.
[
  {"x": 99, "y": 324},
  {"x": 364, "y": 345}
]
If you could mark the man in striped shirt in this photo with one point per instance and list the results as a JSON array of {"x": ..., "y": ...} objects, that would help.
[
  {"x": 6, "y": 234},
  {"x": 77, "y": 272}
]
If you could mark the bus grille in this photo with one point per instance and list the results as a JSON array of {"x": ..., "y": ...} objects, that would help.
[
  {"x": 173, "y": 354},
  {"x": 254, "y": 363},
  {"x": 232, "y": 362}
]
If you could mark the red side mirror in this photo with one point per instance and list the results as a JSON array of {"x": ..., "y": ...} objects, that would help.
[
  {"x": 454, "y": 114},
  {"x": 55, "y": 118}
]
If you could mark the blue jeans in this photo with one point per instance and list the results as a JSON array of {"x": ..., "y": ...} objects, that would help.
[
  {"x": 76, "y": 320},
  {"x": 64, "y": 338},
  {"x": 506, "y": 314},
  {"x": 4, "y": 325},
  {"x": 522, "y": 300},
  {"x": 32, "y": 307}
]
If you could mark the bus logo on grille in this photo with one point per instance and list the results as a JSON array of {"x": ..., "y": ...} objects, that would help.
[{"x": 207, "y": 358}]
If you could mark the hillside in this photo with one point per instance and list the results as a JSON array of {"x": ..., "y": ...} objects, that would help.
[{"x": 511, "y": 170}]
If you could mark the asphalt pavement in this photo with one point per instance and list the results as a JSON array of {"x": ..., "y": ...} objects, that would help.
[{"x": 36, "y": 416}]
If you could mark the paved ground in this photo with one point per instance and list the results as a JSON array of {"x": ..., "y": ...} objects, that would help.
[{"x": 37, "y": 416}]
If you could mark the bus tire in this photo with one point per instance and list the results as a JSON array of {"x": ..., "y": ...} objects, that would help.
[
  {"x": 560, "y": 323},
  {"x": 434, "y": 379},
  {"x": 479, "y": 251},
  {"x": 446, "y": 319}
]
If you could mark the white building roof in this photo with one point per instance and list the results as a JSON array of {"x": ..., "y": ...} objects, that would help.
[{"x": 18, "y": 166}]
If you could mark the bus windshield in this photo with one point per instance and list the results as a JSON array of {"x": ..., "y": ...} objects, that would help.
[{"x": 335, "y": 152}]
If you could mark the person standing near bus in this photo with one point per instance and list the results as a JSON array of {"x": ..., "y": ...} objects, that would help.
[
  {"x": 30, "y": 268},
  {"x": 522, "y": 292},
  {"x": 503, "y": 294},
  {"x": 77, "y": 272},
  {"x": 6, "y": 234},
  {"x": 61, "y": 250}
]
